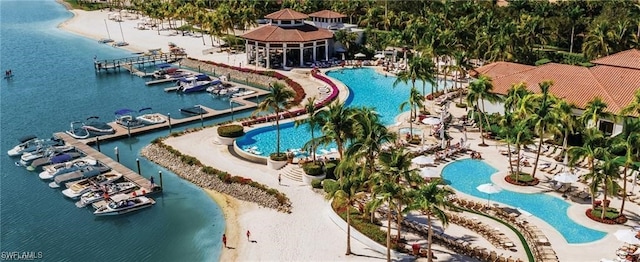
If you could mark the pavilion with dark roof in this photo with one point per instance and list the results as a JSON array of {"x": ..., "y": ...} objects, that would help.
[
  {"x": 614, "y": 78},
  {"x": 287, "y": 41}
]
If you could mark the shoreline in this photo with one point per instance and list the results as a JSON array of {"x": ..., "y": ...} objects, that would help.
[{"x": 229, "y": 206}]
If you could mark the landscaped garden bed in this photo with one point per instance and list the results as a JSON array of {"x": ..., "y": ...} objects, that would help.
[
  {"x": 612, "y": 216},
  {"x": 523, "y": 179}
]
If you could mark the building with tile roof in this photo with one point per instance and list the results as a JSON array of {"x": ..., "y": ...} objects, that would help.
[
  {"x": 287, "y": 41},
  {"x": 614, "y": 78}
]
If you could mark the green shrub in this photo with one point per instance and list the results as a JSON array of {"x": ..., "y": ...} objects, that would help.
[
  {"x": 278, "y": 157},
  {"x": 523, "y": 177},
  {"x": 231, "y": 131},
  {"x": 316, "y": 183},
  {"x": 612, "y": 213},
  {"x": 312, "y": 169},
  {"x": 461, "y": 105},
  {"x": 209, "y": 170},
  {"x": 330, "y": 185}
]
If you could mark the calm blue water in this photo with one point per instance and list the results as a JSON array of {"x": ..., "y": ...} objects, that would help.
[
  {"x": 465, "y": 175},
  {"x": 55, "y": 84},
  {"x": 367, "y": 88}
]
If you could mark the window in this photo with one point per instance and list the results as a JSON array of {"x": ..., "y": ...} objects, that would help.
[
  {"x": 285, "y": 22},
  {"x": 606, "y": 127}
]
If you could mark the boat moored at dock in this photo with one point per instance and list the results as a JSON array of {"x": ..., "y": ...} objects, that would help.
[
  {"x": 98, "y": 195},
  {"x": 76, "y": 189},
  {"x": 193, "y": 110},
  {"x": 83, "y": 172},
  {"x": 122, "y": 204},
  {"x": 150, "y": 118},
  {"x": 97, "y": 127},
  {"x": 48, "y": 172},
  {"x": 24, "y": 143},
  {"x": 45, "y": 152},
  {"x": 125, "y": 118},
  {"x": 195, "y": 83}
]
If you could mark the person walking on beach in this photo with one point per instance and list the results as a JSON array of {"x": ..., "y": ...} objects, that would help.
[
  {"x": 279, "y": 179},
  {"x": 248, "y": 235},
  {"x": 224, "y": 240}
]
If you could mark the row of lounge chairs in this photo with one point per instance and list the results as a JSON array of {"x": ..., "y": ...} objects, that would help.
[
  {"x": 459, "y": 246},
  {"x": 536, "y": 239},
  {"x": 496, "y": 237}
]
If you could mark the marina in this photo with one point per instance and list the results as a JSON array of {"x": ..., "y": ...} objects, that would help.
[{"x": 129, "y": 63}]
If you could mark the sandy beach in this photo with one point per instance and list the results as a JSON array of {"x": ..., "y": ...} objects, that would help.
[{"x": 306, "y": 234}]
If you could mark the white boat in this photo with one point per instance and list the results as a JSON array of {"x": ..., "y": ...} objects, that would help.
[
  {"x": 76, "y": 189},
  {"x": 125, "y": 118},
  {"x": 244, "y": 93},
  {"x": 25, "y": 142},
  {"x": 122, "y": 204},
  {"x": 48, "y": 172},
  {"x": 150, "y": 118},
  {"x": 112, "y": 189},
  {"x": 27, "y": 158}
]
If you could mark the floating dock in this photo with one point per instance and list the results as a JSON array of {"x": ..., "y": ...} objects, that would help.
[
  {"x": 129, "y": 62},
  {"x": 159, "y": 81}
]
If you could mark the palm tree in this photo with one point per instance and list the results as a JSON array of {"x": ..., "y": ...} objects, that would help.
[
  {"x": 414, "y": 102},
  {"x": 351, "y": 188},
  {"x": 543, "y": 117},
  {"x": 396, "y": 166},
  {"x": 431, "y": 199},
  {"x": 337, "y": 125},
  {"x": 479, "y": 91},
  {"x": 370, "y": 136},
  {"x": 609, "y": 173},
  {"x": 312, "y": 121},
  {"x": 591, "y": 150},
  {"x": 566, "y": 122},
  {"x": 594, "y": 111},
  {"x": 634, "y": 106},
  {"x": 629, "y": 140},
  {"x": 277, "y": 101},
  {"x": 384, "y": 193},
  {"x": 597, "y": 42}
]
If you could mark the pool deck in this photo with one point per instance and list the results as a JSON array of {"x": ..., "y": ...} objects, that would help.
[{"x": 592, "y": 251}]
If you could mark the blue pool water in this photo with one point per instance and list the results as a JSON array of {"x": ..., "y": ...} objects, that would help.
[
  {"x": 366, "y": 88},
  {"x": 465, "y": 175},
  {"x": 55, "y": 84}
]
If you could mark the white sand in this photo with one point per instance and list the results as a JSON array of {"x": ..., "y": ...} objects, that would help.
[{"x": 307, "y": 234}]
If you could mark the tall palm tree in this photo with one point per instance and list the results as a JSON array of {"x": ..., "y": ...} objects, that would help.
[
  {"x": 414, "y": 102},
  {"x": 312, "y": 120},
  {"x": 278, "y": 100},
  {"x": 384, "y": 193},
  {"x": 566, "y": 122},
  {"x": 608, "y": 175},
  {"x": 591, "y": 149},
  {"x": 336, "y": 124},
  {"x": 629, "y": 140},
  {"x": 431, "y": 199},
  {"x": 370, "y": 136},
  {"x": 597, "y": 42},
  {"x": 542, "y": 117},
  {"x": 479, "y": 91},
  {"x": 396, "y": 169},
  {"x": 351, "y": 188}
]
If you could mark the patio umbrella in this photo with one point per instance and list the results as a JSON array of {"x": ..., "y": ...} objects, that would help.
[
  {"x": 380, "y": 56},
  {"x": 428, "y": 173},
  {"x": 422, "y": 160},
  {"x": 628, "y": 236},
  {"x": 360, "y": 55},
  {"x": 489, "y": 189},
  {"x": 566, "y": 177},
  {"x": 431, "y": 121}
]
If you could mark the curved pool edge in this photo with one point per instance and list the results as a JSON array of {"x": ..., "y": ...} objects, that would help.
[{"x": 567, "y": 214}]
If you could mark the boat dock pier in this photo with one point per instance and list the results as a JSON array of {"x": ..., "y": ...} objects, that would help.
[
  {"x": 159, "y": 81},
  {"x": 143, "y": 183},
  {"x": 130, "y": 62}
]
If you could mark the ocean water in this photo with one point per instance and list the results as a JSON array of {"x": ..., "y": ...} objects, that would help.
[{"x": 55, "y": 84}]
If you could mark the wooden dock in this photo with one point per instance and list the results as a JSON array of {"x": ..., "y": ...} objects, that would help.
[
  {"x": 159, "y": 81},
  {"x": 143, "y": 183},
  {"x": 117, "y": 63}
]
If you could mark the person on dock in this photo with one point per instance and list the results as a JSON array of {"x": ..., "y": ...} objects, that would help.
[
  {"x": 248, "y": 235},
  {"x": 152, "y": 182},
  {"x": 224, "y": 240}
]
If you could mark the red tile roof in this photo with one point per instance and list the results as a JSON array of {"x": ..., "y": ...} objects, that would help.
[
  {"x": 297, "y": 34},
  {"x": 286, "y": 14},
  {"x": 327, "y": 14},
  {"x": 614, "y": 80},
  {"x": 628, "y": 59}
]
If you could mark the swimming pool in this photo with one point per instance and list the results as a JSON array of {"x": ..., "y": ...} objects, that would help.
[
  {"x": 465, "y": 175},
  {"x": 366, "y": 88}
]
